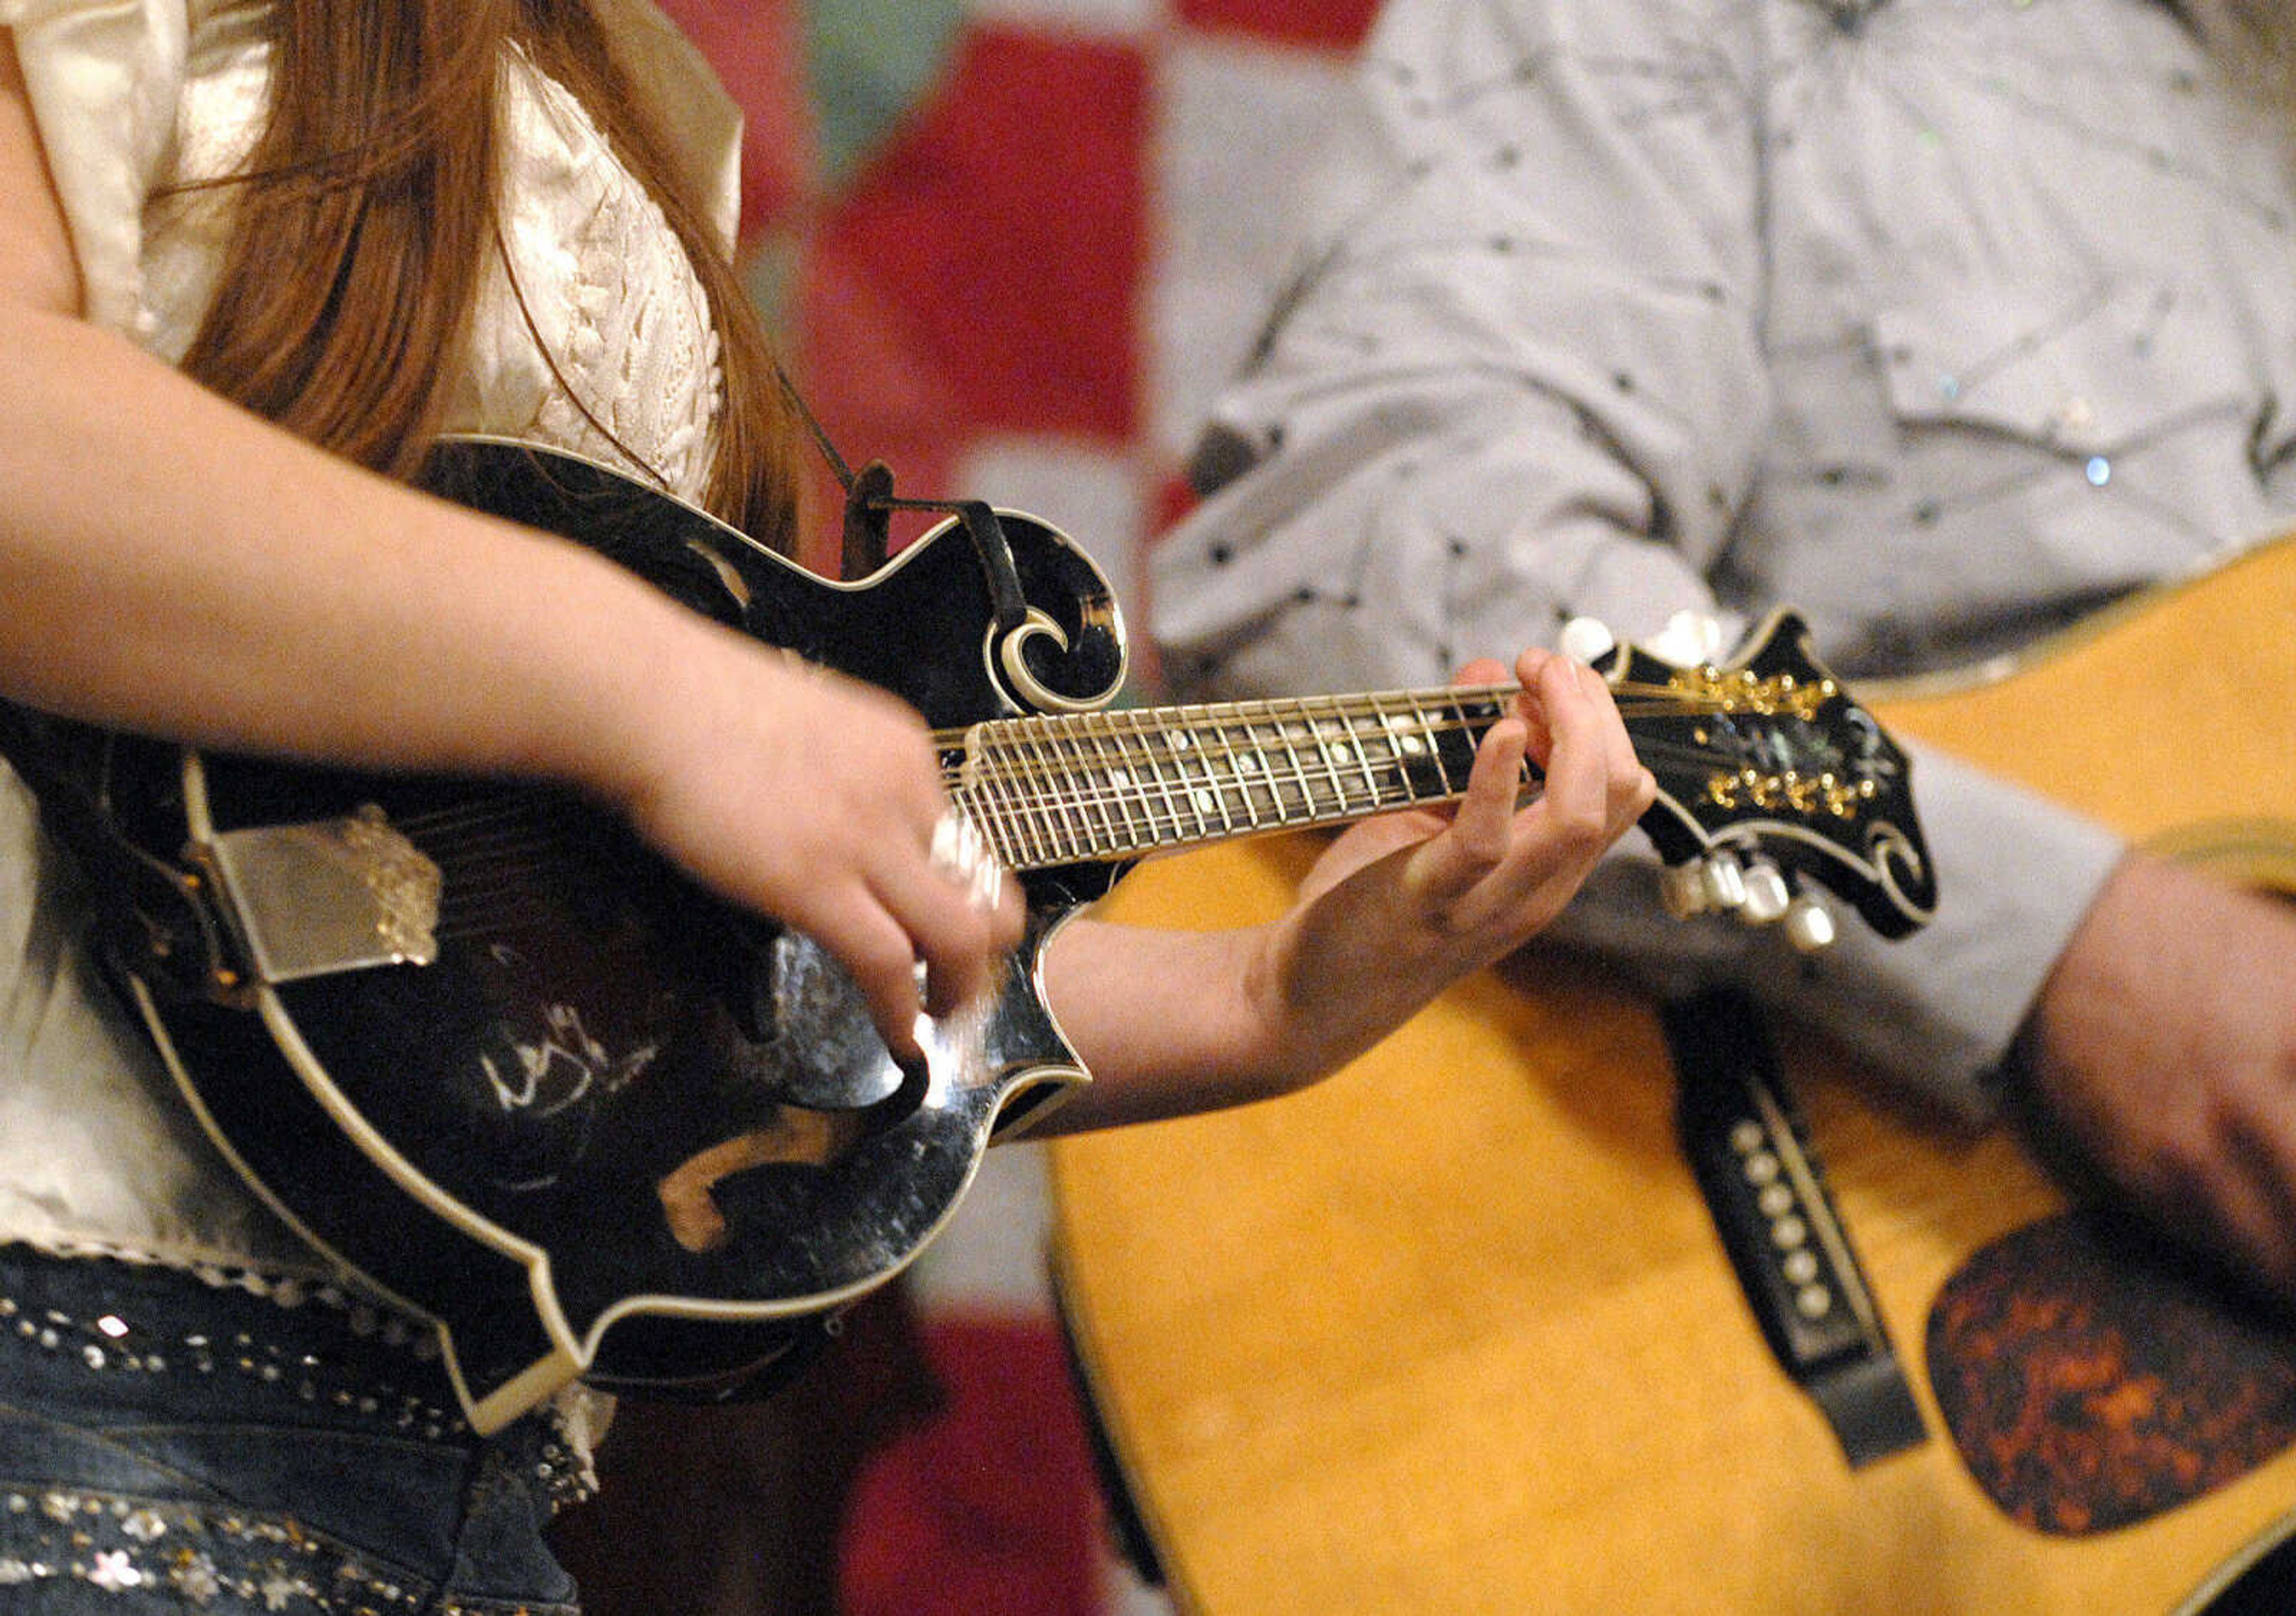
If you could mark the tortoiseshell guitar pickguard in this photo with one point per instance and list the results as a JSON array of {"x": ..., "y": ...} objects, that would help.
[{"x": 2093, "y": 1379}]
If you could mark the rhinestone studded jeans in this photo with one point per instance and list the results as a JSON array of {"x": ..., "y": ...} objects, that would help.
[{"x": 168, "y": 1445}]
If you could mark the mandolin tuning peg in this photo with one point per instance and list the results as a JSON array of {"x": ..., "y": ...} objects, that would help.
[
  {"x": 1688, "y": 639},
  {"x": 1583, "y": 639},
  {"x": 1810, "y": 925},
  {"x": 1767, "y": 893},
  {"x": 1723, "y": 878}
]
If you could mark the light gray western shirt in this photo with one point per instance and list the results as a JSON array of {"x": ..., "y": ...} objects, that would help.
[{"x": 1942, "y": 320}]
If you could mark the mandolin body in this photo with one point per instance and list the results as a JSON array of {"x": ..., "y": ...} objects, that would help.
[{"x": 612, "y": 1109}]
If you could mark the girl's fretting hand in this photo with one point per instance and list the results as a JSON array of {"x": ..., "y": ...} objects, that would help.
[{"x": 1402, "y": 905}]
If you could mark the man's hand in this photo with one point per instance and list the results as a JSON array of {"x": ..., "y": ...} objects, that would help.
[{"x": 2164, "y": 1041}]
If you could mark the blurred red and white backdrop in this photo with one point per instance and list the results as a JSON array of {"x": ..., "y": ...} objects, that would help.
[{"x": 1013, "y": 245}]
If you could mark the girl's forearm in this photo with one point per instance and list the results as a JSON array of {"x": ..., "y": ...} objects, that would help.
[
  {"x": 174, "y": 565},
  {"x": 1167, "y": 1022}
]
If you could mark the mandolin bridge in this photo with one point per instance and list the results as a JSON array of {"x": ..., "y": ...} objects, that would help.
[{"x": 325, "y": 897}]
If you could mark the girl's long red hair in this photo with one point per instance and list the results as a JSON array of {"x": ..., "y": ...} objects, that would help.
[{"x": 366, "y": 211}]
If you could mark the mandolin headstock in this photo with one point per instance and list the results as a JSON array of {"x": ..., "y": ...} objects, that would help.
[{"x": 1770, "y": 777}]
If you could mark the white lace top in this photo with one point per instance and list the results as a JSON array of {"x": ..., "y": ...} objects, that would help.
[{"x": 97, "y": 1153}]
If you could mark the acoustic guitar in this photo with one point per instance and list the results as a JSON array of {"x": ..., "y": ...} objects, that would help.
[
  {"x": 1453, "y": 1331},
  {"x": 511, "y": 1069}
]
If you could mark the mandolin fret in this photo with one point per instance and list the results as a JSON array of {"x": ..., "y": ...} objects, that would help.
[
  {"x": 1252, "y": 758},
  {"x": 1114, "y": 766},
  {"x": 1248, "y": 763},
  {"x": 1064, "y": 822},
  {"x": 1211, "y": 808},
  {"x": 1094, "y": 787},
  {"x": 1223, "y": 762},
  {"x": 1155, "y": 784},
  {"x": 1296, "y": 774},
  {"x": 1410, "y": 745},
  {"x": 1262, "y": 783},
  {"x": 1012, "y": 829},
  {"x": 1328, "y": 752}
]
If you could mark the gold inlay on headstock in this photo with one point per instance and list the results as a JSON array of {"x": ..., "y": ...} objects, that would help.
[
  {"x": 1743, "y": 690},
  {"x": 1808, "y": 796}
]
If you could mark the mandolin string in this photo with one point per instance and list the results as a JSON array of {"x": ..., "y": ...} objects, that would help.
[
  {"x": 1138, "y": 821},
  {"x": 1075, "y": 784},
  {"x": 493, "y": 808},
  {"x": 1650, "y": 701},
  {"x": 1109, "y": 780},
  {"x": 1273, "y": 720},
  {"x": 502, "y": 924},
  {"x": 1073, "y": 804},
  {"x": 1120, "y": 784},
  {"x": 1052, "y": 788},
  {"x": 489, "y": 847},
  {"x": 1053, "y": 821},
  {"x": 1117, "y": 777},
  {"x": 502, "y": 810},
  {"x": 1279, "y": 726}
]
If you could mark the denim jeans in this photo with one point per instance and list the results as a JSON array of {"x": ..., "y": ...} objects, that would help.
[{"x": 171, "y": 1445}]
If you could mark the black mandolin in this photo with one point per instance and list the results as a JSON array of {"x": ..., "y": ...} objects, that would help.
[{"x": 486, "y": 1051}]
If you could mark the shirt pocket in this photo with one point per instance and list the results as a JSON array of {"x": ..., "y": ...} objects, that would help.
[{"x": 2083, "y": 373}]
